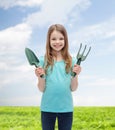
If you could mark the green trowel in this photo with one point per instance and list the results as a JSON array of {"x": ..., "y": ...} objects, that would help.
[{"x": 32, "y": 58}]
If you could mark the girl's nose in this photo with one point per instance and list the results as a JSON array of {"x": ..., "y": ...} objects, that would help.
[{"x": 57, "y": 41}]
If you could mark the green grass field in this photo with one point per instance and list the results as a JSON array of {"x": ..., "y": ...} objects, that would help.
[{"x": 85, "y": 118}]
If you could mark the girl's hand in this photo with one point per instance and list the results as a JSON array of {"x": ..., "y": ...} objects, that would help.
[
  {"x": 76, "y": 69},
  {"x": 39, "y": 71}
]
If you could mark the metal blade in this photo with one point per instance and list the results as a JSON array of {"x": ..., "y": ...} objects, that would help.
[{"x": 32, "y": 58}]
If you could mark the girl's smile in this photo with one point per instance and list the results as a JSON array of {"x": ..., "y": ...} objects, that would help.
[
  {"x": 57, "y": 41},
  {"x": 57, "y": 46}
]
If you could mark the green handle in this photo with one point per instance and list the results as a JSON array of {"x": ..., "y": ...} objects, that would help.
[{"x": 78, "y": 63}]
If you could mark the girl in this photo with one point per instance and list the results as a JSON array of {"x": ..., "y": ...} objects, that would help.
[{"x": 57, "y": 67}]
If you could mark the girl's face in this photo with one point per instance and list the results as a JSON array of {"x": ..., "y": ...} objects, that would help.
[{"x": 57, "y": 41}]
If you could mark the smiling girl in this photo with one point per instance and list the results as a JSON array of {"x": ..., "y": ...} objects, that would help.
[{"x": 57, "y": 67}]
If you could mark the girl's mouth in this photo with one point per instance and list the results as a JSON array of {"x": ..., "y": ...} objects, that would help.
[{"x": 57, "y": 46}]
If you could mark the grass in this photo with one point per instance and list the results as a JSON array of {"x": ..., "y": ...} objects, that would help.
[{"x": 85, "y": 118}]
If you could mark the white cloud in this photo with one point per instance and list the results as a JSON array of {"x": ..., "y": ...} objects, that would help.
[
  {"x": 112, "y": 47},
  {"x": 93, "y": 100},
  {"x": 13, "y": 39},
  {"x": 103, "y": 30},
  {"x": 93, "y": 80},
  {"x": 100, "y": 35},
  {"x": 22, "y": 101},
  {"x": 57, "y": 12},
  {"x": 102, "y": 82},
  {"x": 16, "y": 74},
  {"x": 95, "y": 91},
  {"x": 29, "y": 3},
  {"x": 6, "y": 4}
]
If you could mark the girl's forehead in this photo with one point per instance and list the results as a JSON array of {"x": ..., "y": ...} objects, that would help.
[{"x": 56, "y": 32}]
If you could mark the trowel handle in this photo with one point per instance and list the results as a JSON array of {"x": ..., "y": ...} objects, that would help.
[{"x": 42, "y": 76}]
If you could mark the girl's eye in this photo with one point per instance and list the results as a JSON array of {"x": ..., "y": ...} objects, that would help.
[
  {"x": 62, "y": 38},
  {"x": 53, "y": 39},
  {"x": 56, "y": 39}
]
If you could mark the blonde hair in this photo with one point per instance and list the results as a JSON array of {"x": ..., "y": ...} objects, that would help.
[{"x": 49, "y": 61}]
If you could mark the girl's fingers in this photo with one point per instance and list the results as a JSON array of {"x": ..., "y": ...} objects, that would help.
[
  {"x": 76, "y": 69},
  {"x": 39, "y": 71}
]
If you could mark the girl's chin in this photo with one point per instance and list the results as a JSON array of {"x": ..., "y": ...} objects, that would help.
[{"x": 57, "y": 49}]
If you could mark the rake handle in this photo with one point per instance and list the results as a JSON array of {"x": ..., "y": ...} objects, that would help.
[{"x": 78, "y": 63}]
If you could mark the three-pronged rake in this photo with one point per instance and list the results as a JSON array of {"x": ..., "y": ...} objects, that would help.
[{"x": 81, "y": 57}]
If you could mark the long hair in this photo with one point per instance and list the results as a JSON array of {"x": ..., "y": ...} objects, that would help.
[{"x": 49, "y": 61}]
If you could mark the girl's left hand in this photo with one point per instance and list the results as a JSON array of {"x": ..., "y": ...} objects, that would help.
[{"x": 77, "y": 69}]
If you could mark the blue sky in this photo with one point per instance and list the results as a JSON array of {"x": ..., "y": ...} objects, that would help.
[{"x": 24, "y": 23}]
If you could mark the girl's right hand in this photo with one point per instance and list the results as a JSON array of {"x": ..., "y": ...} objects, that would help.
[{"x": 39, "y": 71}]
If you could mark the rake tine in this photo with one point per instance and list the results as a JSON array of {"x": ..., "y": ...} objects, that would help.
[
  {"x": 83, "y": 51},
  {"x": 79, "y": 51},
  {"x": 87, "y": 53}
]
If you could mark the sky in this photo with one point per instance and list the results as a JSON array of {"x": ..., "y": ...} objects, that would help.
[{"x": 24, "y": 23}]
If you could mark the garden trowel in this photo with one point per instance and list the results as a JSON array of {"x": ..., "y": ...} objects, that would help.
[{"x": 32, "y": 58}]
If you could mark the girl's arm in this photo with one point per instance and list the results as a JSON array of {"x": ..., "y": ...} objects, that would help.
[
  {"x": 41, "y": 81},
  {"x": 74, "y": 80}
]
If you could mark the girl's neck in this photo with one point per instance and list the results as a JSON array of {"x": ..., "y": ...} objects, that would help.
[{"x": 58, "y": 56}]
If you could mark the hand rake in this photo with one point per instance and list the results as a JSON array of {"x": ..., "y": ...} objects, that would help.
[{"x": 81, "y": 57}]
